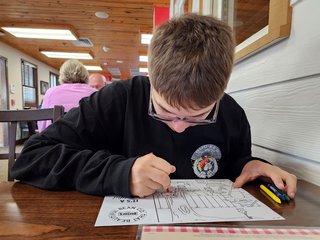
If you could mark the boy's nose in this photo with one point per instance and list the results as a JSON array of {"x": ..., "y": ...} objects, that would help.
[{"x": 179, "y": 126}]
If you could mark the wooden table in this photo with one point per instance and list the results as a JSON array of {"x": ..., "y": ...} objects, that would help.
[{"x": 30, "y": 213}]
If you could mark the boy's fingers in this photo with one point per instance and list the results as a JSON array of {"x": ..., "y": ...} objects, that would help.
[
  {"x": 240, "y": 181},
  {"x": 160, "y": 177},
  {"x": 153, "y": 185},
  {"x": 163, "y": 165},
  {"x": 286, "y": 182},
  {"x": 291, "y": 184}
]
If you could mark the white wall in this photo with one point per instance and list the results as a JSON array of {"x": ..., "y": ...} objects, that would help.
[
  {"x": 279, "y": 88},
  {"x": 14, "y": 72}
]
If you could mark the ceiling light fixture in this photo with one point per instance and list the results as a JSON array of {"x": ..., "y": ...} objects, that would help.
[
  {"x": 134, "y": 72},
  {"x": 102, "y": 15},
  {"x": 40, "y": 33},
  {"x": 114, "y": 71},
  {"x": 143, "y": 70},
  {"x": 93, "y": 68},
  {"x": 105, "y": 49},
  {"x": 143, "y": 58},
  {"x": 69, "y": 55},
  {"x": 146, "y": 38}
]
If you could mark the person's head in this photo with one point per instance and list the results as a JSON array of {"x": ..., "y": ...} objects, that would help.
[
  {"x": 97, "y": 80},
  {"x": 73, "y": 71},
  {"x": 190, "y": 61}
]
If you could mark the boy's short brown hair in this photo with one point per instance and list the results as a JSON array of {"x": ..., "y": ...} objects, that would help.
[{"x": 190, "y": 60}]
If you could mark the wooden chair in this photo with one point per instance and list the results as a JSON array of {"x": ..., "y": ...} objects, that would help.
[{"x": 15, "y": 116}]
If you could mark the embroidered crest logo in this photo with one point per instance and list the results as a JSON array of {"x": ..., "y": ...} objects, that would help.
[{"x": 205, "y": 160}]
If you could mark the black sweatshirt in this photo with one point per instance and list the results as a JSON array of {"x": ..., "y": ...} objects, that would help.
[{"x": 93, "y": 147}]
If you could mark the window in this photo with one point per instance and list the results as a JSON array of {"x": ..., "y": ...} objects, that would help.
[
  {"x": 54, "y": 79},
  {"x": 29, "y": 84},
  {"x": 4, "y": 99}
]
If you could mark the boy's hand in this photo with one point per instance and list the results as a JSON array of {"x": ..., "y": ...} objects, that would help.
[
  {"x": 283, "y": 180},
  {"x": 148, "y": 174}
]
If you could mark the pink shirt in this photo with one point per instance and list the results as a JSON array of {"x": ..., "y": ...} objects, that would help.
[{"x": 67, "y": 95}]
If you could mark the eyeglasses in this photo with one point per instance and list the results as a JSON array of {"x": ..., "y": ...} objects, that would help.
[{"x": 198, "y": 121}]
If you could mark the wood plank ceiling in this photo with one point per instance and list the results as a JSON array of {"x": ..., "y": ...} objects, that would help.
[{"x": 120, "y": 32}]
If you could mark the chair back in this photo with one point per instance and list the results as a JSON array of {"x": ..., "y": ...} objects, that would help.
[{"x": 15, "y": 116}]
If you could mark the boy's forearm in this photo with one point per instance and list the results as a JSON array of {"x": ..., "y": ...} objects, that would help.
[{"x": 57, "y": 166}]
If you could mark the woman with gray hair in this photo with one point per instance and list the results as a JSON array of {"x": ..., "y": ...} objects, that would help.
[{"x": 74, "y": 86}]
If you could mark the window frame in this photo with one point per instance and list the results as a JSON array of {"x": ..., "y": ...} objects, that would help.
[
  {"x": 30, "y": 83},
  {"x": 52, "y": 74}
]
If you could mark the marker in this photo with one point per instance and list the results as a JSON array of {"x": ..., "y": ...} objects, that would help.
[
  {"x": 287, "y": 198},
  {"x": 270, "y": 194},
  {"x": 276, "y": 191},
  {"x": 168, "y": 190}
]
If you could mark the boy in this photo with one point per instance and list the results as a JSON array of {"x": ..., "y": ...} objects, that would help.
[{"x": 131, "y": 137}]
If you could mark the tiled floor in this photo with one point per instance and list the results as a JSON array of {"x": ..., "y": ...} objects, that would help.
[
  {"x": 3, "y": 170},
  {"x": 4, "y": 164}
]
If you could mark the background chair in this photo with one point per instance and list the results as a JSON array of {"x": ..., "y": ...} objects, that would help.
[{"x": 15, "y": 116}]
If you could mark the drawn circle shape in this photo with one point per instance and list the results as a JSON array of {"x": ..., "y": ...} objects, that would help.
[{"x": 127, "y": 214}]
